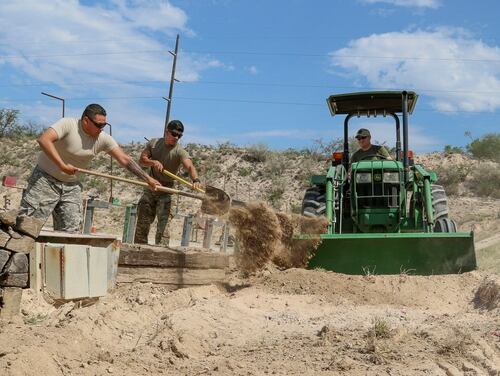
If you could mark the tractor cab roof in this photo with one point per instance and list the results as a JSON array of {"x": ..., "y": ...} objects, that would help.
[{"x": 370, "y": 103}]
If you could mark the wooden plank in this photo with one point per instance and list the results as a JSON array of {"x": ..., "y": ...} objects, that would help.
[
  {"x": 146, "y": 255},
  {"x": 177, "y": 277}
]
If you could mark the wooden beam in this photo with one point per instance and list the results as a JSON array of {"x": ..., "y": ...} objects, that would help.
[{"x": 176, "y": 277}]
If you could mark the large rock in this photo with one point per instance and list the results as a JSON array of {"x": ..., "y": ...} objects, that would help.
[
  {"x": 4, "y": 257},
  {"x": 4, "y": 238},
  {"x": 24, "y": 245},
  {"x": 8, "y": 218},
  {"x": 14, "y": 280},
  {"x": 18, "y": 263},
  {"x": 29, "y": 226}
]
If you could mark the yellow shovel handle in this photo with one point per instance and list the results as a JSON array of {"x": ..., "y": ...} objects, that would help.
[{"x": 173, "y": 176}]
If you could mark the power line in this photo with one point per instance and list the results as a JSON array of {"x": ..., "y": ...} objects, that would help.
[
  {"x": 254, "y": 53},
  {"x": 232, "y": 100},
  {"x": 254, "y": 84}
]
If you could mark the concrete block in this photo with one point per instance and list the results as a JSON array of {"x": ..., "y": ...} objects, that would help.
[{"x": 10, "y": 302}]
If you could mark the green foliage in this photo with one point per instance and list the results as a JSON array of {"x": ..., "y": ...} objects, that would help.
[
  {"x": 10, "y": 126},
  {"x": 486, "y": 147},
  {"x": 485, "y": 181}
]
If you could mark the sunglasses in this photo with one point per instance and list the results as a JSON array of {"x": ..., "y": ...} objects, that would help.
[
  {"x": 175, "y": 134},
  {"x": 361, "y": 137},
  {"x": 97, "y": 125}
]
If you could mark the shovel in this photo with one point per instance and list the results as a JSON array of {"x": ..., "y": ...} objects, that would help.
[{"x": 214, "y": 202}]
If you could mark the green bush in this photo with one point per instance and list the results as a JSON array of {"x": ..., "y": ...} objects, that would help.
[
  {"x": 448, "y": 149},
  {"x": 486, "y": 147},
  {"x": 244, "y": 171},
  {"x": 485, "y": 182}
]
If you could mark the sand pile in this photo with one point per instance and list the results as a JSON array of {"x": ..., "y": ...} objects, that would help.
[{"x": 264, "y": 235}]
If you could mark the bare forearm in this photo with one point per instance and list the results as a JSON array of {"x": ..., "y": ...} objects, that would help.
[{"x": 134, "y": 168}]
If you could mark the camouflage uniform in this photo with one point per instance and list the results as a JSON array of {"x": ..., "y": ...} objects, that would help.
[
  {"x": 158, "y": 203},
  {"x": 45, "y": 195},
  {"x": 150, "y": 205}
]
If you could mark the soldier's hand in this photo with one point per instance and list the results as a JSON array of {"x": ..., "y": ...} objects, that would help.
[
  {"x": 196, "y": 185},
  {"x": 69, "y": 169},
  {"x": 157, "y": 166},
  {"x": 153, "y": 183}
]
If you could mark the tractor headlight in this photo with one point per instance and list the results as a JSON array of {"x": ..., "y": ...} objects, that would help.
[
  {"x": 363, "y": 177},
  {"x": 391, "y": 177}
]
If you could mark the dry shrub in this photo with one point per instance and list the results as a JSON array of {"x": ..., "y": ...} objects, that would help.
[
  {"x": 488, "y": 294},
  {"x": 455, "y": 342},
  {"x": 265, "y": 235},
  {"x": 485, "y": 181}
]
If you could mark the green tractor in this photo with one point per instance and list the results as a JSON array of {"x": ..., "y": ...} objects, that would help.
[{"x": 384, "y": 216}]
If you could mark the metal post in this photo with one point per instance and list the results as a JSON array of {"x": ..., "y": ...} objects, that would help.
[
  {"x": 129, "y": 224},
  {"x": 110, "y": 169},
  {"x": 171, "y": 88},
  {"x": 186, "y": 230},
  {"x": 207, "y": 238},
  {"x": 225, "y": 233},
  {"x": 89, "y": 217},
  {"x": 53, "y": 96}
]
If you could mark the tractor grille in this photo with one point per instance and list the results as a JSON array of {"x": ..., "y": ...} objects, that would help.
[{"x": 373, "y": 192}]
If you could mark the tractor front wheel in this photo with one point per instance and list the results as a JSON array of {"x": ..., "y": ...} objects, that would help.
[{"x": 314, "y": 202}]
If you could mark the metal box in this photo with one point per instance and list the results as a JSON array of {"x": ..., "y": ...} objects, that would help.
[{"x": 74, "y": 266}]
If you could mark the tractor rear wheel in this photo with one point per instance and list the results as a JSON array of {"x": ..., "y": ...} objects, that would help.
[
  {"x": 314, "y": 202},
  {"x": 439, "y": 202}
]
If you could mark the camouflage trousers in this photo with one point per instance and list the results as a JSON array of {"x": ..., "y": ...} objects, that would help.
[
  {"x": 152, "y": 204},
  {"x": 45, "y": 195}
]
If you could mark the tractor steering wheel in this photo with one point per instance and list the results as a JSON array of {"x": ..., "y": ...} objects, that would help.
[{"x": 373, "y": 155}]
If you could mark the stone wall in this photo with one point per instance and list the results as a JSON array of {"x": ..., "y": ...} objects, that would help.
[{"x": 17, "y": 239}]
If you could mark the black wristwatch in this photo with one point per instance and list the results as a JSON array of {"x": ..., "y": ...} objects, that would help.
[{"x": 196, "y": 180}]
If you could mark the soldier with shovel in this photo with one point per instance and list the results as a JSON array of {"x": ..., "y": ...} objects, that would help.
[{"x": 162, "y": 154}]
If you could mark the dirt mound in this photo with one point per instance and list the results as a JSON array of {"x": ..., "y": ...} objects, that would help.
[{"x": 265, "y": 235}]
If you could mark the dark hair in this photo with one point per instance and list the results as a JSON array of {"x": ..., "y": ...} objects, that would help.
[
  {"x": 92, "y": 110},
  {"x": 175, "y": 125}
]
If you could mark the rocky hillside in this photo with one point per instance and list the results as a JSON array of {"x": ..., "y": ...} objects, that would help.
[{"x": 258, "y": 173}]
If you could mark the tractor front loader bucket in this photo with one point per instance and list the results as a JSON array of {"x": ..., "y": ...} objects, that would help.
[{"x": 395, "y": 253}]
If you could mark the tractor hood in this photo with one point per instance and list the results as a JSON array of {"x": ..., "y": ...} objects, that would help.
[{"x": 370, "y": 103}]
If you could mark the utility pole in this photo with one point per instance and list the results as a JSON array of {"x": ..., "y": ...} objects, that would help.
[
  {"x": 110, "y": 170},
  {"x": 53, "y": 96},
  {"x": 171, "y": 88}
]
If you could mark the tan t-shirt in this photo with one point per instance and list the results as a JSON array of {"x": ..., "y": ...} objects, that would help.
[
  {"x": 171, "y": 158},
  {"x": 75, "y": 147}
]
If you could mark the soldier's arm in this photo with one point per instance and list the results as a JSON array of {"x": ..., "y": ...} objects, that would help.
[
  {"x": 127, "y": 162},
  {"x": 46, "y": 142},
  {"x": 146, "y": 161},
  {"x": 189, "y": 166}
]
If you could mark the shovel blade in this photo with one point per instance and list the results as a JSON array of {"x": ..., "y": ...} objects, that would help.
[{"x": 215, "y": 202}]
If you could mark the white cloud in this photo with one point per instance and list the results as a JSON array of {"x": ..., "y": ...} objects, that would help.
[
  {"x": 252, "y": 69},
  {"x": 456, "y": 71},
  {"x": 408, "y": 3},
  {"x": 65, "y": 41}
]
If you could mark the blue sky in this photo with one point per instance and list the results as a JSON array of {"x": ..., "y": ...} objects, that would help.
[{"x": 254, "y": 71}]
